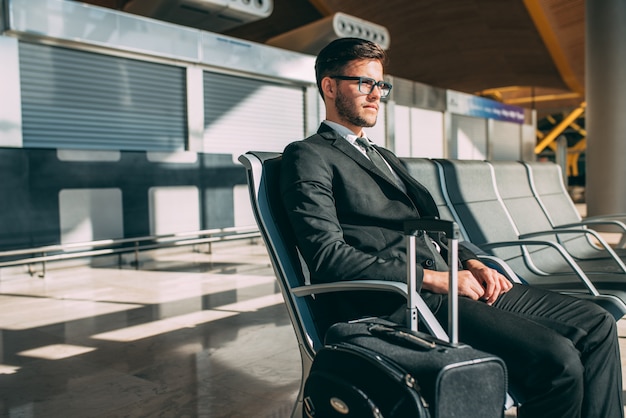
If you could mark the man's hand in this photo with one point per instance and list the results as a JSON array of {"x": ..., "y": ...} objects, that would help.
[
  {"x": 477, "y": 282},
  {"x": 493, "y": 282}
]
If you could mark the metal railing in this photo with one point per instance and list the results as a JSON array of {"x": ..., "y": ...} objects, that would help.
[{"x": 58, "y": 252}]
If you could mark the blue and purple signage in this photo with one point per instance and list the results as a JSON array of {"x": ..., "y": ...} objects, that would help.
[{"x": 469, "y": 105}]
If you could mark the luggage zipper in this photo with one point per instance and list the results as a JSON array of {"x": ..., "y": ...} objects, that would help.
[
  {"x": 396, "y": 372},
  {"x": 399, "y": 336}
]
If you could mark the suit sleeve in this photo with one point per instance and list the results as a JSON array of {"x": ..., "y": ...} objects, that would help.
[
  {"x": 307, "y": 191},
  {"x": 464, "y": 250}
]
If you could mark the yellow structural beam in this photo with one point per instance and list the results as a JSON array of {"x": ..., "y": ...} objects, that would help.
[
  {"x": 573, "y": 154},
  {"x": 542, "y": 98},
  {"x": 537, "y": 12},
  {"x": 579, "y": 129},
  {"x": 568, "y": 120}
]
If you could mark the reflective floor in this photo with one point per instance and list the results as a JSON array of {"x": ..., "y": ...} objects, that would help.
[
  {"x": 187, "y": 335},
  {"x": 190, "y": 335}
]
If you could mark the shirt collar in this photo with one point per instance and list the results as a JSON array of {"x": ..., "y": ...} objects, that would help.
[{"x": 346, "y": 133}]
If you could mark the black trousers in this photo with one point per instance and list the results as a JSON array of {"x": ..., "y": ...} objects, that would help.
[{"x": 562, "y": 353}]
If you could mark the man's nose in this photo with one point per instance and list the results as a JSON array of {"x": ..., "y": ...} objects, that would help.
[{"x": 375, "y": 93}]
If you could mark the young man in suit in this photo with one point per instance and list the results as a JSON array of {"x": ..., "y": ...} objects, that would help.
[{"x": 346, "y": 201}]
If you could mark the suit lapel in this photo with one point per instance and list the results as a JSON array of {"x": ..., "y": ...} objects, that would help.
[
  {"x": 417, "y": 193},
  {"x": 344, "y": 146}
]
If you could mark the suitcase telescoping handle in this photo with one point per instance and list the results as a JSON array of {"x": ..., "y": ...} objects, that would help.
[{"x": 411, "y": 228}]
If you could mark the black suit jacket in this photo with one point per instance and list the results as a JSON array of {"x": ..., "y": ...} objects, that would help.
[{"x": 348, "y": 216}]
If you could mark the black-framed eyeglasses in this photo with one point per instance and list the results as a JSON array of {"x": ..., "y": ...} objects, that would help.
[{"x": 367, "y": 85}]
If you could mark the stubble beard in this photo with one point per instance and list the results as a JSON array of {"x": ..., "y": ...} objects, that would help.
[{"x": 347, "y": 110}]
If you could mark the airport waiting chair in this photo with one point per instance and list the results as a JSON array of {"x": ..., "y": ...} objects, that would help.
[
  {"x": 546, "y": 181},
  {"x": 301, "y": 297},
  {"x": 589, "y": 249},
  {"x": 471, "y": 190},
  {"x": 429, "y": 174}
]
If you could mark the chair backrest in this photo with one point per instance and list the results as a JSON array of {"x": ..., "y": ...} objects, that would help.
[
  {"x": 547, "y": 184},
  {"x": 516, "y": 194},
  {"x": 429, "y": 175},
  {"x": 471, "y": 189},
  {"x": 263, "y": 173},
  {"x": 516, "y": 190}
]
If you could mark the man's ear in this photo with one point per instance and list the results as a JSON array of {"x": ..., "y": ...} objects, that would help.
[{"x": 329, "y": 87}]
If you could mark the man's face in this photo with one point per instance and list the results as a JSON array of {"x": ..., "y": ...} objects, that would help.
[{"x": 354, "y": 108}]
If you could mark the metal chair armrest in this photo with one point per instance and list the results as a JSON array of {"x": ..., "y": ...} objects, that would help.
[
  {"x": 427, "y": 316},
  {"x": 574, "y": 231},
  {"x": 602, "y": 220},
  {"x": 568, "y": 258}
]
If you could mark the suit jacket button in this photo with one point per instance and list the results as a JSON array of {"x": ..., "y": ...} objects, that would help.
[{"x": 428, "y": 263}]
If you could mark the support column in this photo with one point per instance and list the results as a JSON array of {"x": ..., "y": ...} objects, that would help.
[{"x": 606, "y": 106}]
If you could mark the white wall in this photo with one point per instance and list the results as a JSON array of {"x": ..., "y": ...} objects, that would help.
[
  {"x": 505, "y": 141},
  {"x": 468, "y": 138},
  {"x": 427, "y": 133}
]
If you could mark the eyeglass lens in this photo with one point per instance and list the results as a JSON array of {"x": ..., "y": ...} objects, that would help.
[{"x": 367, "y": 85}]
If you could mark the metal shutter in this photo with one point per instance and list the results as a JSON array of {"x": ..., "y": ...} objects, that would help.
[
  {"x": 83, "y": 100},
  {"x": 242, "y": 114}
]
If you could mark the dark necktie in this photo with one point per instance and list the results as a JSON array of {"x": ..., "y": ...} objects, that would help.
[{"x": 376, "y": 158}]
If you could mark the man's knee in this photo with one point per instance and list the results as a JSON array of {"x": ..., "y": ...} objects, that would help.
[
  {"x": 571, "y": 366},
  {"x": 601, "y": 329},
  {"x": 563, "y": 362},
  {"x": 554, "y": 383},
  {"x": 607, "y": 322},
  {"x": 559, "y": 366}
]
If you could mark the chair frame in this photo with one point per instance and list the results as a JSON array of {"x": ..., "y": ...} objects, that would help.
[{"x": 285, "y": 267}]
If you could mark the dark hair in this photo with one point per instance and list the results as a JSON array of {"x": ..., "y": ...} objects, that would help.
[{"x": 335, "y": 56}]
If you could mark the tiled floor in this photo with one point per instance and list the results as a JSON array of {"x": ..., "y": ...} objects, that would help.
[{"x": 189, "y": 335}]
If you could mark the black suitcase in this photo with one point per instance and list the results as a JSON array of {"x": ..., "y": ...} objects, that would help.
[
  {"x": 375, "y": 368},
  {"x": 384, "y": 370}
]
